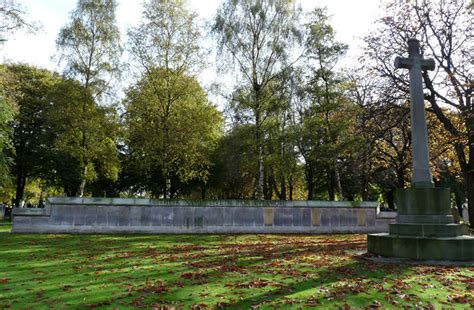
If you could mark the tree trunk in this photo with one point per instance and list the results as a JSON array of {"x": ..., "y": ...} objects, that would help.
[
  {"x": 41, "y": 200},
  {"x": 71, "y": 191},
  {"x": 470, "y": 166},
  {"x": 261, "y": 172},
  {"x": 82, "y": 186},
  {"x": 365, "y": 187},
  {"x": 282, "y": 188},
  {"x": 310, "y": 181},
  {"x": 20, "y": 188},
  {"x": 470, "y": 196},
  {"x": 458, "y": 200},
  {"x": 173, "y": 190},
  {"x": 269, "y": 186},
  {"x": 290, "y": 184},
  {"x": 400, "y": 178},
  {"x": 165, "y": 172},
  {"x": 282, "y": 172},
  {"x": 390, "y": 196},
  {"x": 330, "y": 184},
  {"x": 273, "y": 184},
  {"x": 261, "y": 167},
  {"x": 337, "y": 180},
  {"x": 365, "y": 179},
  {"x": 203, "y": 192},
  {"x": 167, "y": 187}
]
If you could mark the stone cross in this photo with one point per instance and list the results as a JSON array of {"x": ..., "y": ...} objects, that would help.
[{"x": 419, "y": 133}]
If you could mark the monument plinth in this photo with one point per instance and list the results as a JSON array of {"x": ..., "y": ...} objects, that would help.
[{"x": 424, "y": 227}]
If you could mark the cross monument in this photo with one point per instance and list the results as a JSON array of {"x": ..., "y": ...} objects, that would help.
[
  {"x": 424, "y": 228},
  {"x": 419, "y": 132}
]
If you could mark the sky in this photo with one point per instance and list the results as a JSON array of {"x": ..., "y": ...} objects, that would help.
[{"x": 352, "y": 19}]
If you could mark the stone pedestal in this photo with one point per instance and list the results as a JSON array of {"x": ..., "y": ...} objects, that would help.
[{"x": 424, "y": 229}]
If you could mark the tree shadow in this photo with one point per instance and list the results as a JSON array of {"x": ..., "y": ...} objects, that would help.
[
  {"x": 350, "y": 273},
  {"x": 217, "y": 258}
]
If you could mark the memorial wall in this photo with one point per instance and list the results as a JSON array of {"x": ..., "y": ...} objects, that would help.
[{"x": 112, "y": 215}]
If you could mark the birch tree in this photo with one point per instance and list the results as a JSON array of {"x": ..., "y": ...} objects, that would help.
[
  {"x": 257, "y": 38},
  {"x": 90, "y": 47},
  {"x": 165, "y": 46}
]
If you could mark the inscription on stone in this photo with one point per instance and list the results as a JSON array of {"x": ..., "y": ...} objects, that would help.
[
  {"x": 361, "y": 218},
  {"x": 315, "y": 217},
  {"x": 268, "y": 216}
]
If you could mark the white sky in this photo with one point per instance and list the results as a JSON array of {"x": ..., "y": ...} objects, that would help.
[{"x": 351, "y": 19}]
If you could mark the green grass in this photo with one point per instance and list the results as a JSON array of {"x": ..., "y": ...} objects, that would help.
[{"x": 213, "y": 271}]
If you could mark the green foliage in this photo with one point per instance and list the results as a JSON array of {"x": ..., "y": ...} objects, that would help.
[
  {"x": 325, "y": 113},
  {"x": 167, "y": 37},
  {"x": 31, "y": 134},
  {"x": 167, "y": 108},
  {"x": 233, "y": 171},
  {"x": 47, "y": 131},
  {"x": 7, "y": 111},
  {"x": 90, "y": 44},
  {"x": 71, "y": 116},
  {"x": 321, "y": 43},
  {"x": 170, "y": 138},
  {"x": 297, "y": 127},
  {"x": 259, "y": 38}
]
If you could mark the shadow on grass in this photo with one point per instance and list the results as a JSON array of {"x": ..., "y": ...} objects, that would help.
[
  {"x": 350, "y": 273},
  {"x": 169, "y": 256}
]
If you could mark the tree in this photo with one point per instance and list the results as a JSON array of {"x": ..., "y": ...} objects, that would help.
[
  {"x": 374, "y": 101},
  {"x": 280, "y": 148},
  {"x": 90, "y": 45},
  {"x": 12, "y": 18},
  {"x": 325, "y": 112},
  {"x": 167, "y": 37},
  {"x": 30, "y": 127},
  {"x": 46, "y": 131},
  {"x": 7, "y": 112},
  {"x": 444, "y": 28},
  {"x": 232, "y": 173},
  {"x": 166, "y": 47},
  {"x": 171, "y": 144},
  {"x": 258, "y": 37},
  {"x": 70, "y": 115}
]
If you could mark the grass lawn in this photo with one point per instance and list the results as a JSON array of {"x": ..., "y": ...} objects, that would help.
[{"x": 215, "y": 271}]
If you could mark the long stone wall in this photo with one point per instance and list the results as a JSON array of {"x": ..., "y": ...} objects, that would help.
[{"x": 112, "y": 215}]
